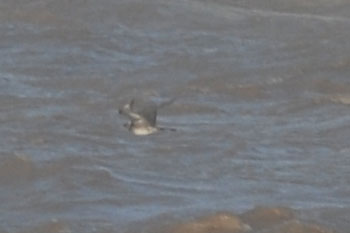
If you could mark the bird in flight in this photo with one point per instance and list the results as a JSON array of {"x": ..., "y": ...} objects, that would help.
[{"x": 143, "y": 117}]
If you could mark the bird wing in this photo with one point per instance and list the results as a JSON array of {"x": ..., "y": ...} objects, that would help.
[{"x": 144, "y": 112}]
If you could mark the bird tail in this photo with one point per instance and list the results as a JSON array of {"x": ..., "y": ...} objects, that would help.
[{"x": 166, "y": 129}]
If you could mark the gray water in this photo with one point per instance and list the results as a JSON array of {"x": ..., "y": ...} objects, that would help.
[{"x": 262, "y": 111}]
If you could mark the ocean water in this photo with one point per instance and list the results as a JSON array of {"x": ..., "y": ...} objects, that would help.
[{"x": 262, "y": 111}]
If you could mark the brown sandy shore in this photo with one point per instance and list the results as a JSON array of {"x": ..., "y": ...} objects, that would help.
[{"x": 257, "y": 220}]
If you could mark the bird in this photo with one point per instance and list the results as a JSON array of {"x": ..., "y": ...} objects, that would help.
[{"x": 143, "y": 117}]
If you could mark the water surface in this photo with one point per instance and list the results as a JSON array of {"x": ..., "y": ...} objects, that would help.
[{"x": 262, "y": 111}]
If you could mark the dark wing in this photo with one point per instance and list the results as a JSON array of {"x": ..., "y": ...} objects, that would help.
[
  {"x": 148, "y": 110},
  {"x": 138, "y": 110}
]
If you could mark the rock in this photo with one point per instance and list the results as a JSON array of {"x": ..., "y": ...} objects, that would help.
[
  {"x": 298, "y": 227},
  {"x": 263, "y": 217},
  {"x": 219, "y": 223}
]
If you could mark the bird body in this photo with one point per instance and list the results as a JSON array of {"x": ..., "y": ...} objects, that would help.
[{"x": 143, "y": 117}]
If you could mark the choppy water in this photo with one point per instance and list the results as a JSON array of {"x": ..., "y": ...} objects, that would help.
[{"x": 262, "y": 111}]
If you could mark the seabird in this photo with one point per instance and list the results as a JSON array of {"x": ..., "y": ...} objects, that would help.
[{"x": 143, "y": 117}]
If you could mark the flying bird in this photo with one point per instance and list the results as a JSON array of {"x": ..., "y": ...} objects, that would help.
[{"x": 143, "y": 117}]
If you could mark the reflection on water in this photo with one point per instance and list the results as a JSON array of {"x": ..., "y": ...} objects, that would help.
[{"x": 261, "y": 112}]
